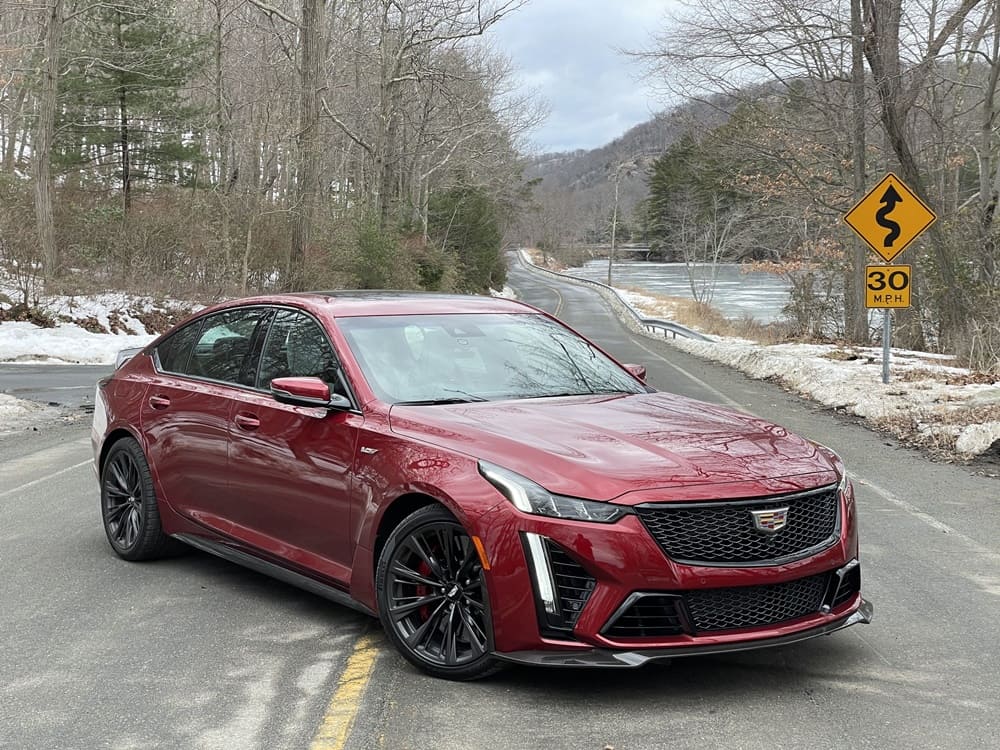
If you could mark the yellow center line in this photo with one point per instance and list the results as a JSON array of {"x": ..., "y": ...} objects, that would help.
[
  {"x": 335, "y": 728},
  {"x": 559, "y": 305}
]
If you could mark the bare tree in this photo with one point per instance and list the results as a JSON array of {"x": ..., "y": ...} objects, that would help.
[
  {"x": 41, "y": 156},
  {"x": 898, "y": 95}
]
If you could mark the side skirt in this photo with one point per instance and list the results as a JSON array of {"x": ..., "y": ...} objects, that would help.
[{"x": 273, "y": 570}]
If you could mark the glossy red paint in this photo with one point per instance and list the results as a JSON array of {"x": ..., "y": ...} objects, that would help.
[
  {"x": 308, "y": 388},
  {"x": 310, "y": 489}
]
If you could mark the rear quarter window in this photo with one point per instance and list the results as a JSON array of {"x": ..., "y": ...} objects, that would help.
[{"x": 174, "y": 352}]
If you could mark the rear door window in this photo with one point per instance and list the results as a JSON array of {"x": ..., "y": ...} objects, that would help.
[{"x": 223, "y": 348}]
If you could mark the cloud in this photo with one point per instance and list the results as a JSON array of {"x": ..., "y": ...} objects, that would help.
[{"x": 567, "y": 51}]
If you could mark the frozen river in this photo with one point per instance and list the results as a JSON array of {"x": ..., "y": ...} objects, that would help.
[{"x": 737, "y": 293}]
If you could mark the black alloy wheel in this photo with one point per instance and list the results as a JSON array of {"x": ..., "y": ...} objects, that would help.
[
  {"x": 128, "y": 505},
  {"x": 432, "y": 596}
]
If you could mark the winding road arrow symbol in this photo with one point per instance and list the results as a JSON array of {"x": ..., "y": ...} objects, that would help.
[{"x": 889, "y": 200}]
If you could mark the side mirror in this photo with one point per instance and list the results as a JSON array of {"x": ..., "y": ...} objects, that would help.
[
  {"x": 637, "y": 371},
  {"x": 307, "y": 392}
]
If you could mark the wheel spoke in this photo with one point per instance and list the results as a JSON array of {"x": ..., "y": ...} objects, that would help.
[
  {"x": 132, "y": 528},
  {"x": 451, "y": 637},
  {"x": 417, "y": 546},
  {"x": 113, "y": 490},
  {"x": 478, "y": 606},
  {"x": 134, "y": 480},
  {"x": 116, "y": 512},
  {"x": 444, "y": 539},
  {"x": 421, "y": 635},
  {"x": 400, "y": 611},
  {"x": 476, "y": 634},
  {"x": 412, "y": 576},
  {"x": 471, "y": 557},
  {"x": 118, "y": 475}
]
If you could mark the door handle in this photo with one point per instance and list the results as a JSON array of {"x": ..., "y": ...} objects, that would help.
[
  {"x": 247, "y": 422},
  {"x": 159, "y": 402}
]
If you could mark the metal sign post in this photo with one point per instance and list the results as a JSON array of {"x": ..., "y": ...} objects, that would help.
[
  {"x": 886, "y": 343},
  {"x": 889, "y": 218}
]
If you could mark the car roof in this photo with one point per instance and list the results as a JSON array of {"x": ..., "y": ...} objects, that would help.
[{"x": 355, "y": 303}]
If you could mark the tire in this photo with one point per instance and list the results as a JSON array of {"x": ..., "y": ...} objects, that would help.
[
  {"x": 129, "y": 508},
  {"x": 432, "y": 597}
]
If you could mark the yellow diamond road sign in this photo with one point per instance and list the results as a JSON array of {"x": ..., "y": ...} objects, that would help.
[{"x": 890, "y": 217}]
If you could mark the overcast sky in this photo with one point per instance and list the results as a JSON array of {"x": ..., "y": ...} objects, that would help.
[{"x": 566, "y": 51}]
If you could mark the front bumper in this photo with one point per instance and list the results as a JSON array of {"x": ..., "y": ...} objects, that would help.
[
  {"x": 599, "y": 657},
  {"x": 620, "y": 563}
]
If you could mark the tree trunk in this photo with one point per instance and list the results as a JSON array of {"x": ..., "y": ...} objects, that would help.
[
  {"x": 123, "y": 137},
  {"x": 882, "y": 18},
  {"x": 312, "y": 56},
  {"x": 44, "y": 133},
  {"x": 855, "y": 312}
]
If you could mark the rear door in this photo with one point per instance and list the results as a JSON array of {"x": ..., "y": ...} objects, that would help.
[
  {"x": 291, "y": 466},
  {"x": 201, "y": 371}
]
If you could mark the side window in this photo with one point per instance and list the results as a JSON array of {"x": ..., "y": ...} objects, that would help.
[
  {"x": 224, "y": 344},
  {"x": 296, "y": 346},
  {"x": 175, "y": 351}
]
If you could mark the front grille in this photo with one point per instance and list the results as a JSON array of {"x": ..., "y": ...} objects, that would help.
[
  {"x": 648, "y": 616},
  {"x": 723, "y": 532},
  {"x": 754, "y": 606},
  {"x": 573, "y": 584}
]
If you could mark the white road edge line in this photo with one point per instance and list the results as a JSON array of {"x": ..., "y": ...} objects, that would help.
[
  {"x": 47, "y": 477},
  {"x": 715, "y": 391},
  {"x": 927, "y": 518}
]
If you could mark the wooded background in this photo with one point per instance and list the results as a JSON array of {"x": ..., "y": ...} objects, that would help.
[
  {"x": 228, "y": 146},
  {"x": 787, "y": 112}
]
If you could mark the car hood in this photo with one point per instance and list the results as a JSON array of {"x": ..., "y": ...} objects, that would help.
[{"x": 603, "y": 447}]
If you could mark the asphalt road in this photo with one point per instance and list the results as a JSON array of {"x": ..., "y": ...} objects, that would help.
[
  {"x": 194, "y": 652},
  {"x": 63, "y": 385}
]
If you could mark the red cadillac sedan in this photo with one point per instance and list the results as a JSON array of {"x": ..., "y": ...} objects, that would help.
[{"x": 488, "y": 483}]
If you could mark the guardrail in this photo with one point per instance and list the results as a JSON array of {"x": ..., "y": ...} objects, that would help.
[{"x": 651, "y": 325}]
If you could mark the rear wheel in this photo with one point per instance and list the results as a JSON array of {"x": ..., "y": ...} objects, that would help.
[
  {"x": 128, "y": 505},
  {"x": 432, "y": 597}
]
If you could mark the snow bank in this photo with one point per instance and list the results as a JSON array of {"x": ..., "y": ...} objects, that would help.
[
  {"x": 927, "y": 400},
  {"x": 16, "y": 414},
  {"x": 90, "y": 329},
  {"x": 64, "y": 344}
]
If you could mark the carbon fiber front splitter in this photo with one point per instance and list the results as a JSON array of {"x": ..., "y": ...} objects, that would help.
[{"x": 608, "y": 658}]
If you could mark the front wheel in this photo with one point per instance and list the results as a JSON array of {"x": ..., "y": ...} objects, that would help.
[{"x": 432, "y": 597}]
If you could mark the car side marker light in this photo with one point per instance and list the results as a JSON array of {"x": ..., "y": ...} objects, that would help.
[
  {"x": 481, "y": 549},
  {"x": 543, "y": 573}
]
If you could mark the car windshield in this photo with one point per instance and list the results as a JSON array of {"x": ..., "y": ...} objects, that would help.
[{"x": 428, "y": 359}]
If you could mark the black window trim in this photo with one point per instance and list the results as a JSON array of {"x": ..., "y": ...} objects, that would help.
[
  {"x": 270, "y": 312},
  {"x": 351, "y": 396},
  {"x": 157, "y": 365}
]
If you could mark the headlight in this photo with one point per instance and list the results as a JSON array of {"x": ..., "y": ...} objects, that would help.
[{"x": 535, "y": 499}]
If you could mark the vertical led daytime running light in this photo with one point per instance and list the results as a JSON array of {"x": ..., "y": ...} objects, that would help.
[{"x": 543, "y": 572}]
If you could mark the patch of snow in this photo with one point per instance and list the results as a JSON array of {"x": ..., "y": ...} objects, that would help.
[
  {"x": 505, "y": 293},
  {"x": 16, "y": 414},
  {"x": 977, "y": 438},
  {"x": 64, "y": 344},
  {"x": 919, "y": 396}
]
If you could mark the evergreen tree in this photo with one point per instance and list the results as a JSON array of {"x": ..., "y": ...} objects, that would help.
[
  {"x": 464, "y": 221},
  {"x": 124, "y": 116}
]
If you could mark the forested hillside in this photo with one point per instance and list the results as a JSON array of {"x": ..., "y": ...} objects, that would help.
[
  {"x": 228, "y": 146},
  {"x": 793, "y": 111}
]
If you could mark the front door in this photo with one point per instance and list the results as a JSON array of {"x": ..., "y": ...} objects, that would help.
[{"x": 291, "y": 466}]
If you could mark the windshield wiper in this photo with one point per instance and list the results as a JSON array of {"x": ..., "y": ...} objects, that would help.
[{"x": 447, "y": 400}]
